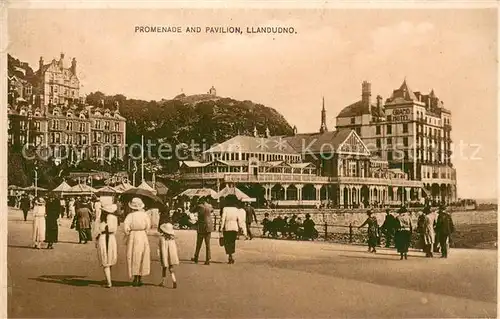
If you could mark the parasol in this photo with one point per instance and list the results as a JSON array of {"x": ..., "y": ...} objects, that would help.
[
  {"x": 150, "y": 199},
  {"x": 235, "y": 191}
]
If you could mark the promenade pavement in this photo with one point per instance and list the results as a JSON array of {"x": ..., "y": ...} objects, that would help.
[{"x": 271, "y": 278}]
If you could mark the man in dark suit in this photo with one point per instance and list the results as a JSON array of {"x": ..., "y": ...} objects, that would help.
[
  {"x": 444, "y": 228},
  {"x": 25, "y": 206},
  {"x": 250, "y": 216},
  {"x": 204, "y": 227}
]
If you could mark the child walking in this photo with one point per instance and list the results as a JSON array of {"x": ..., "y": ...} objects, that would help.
[{"x": 168, "y": 253}]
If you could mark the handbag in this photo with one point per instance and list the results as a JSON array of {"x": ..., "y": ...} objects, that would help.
[{"x": 221, "y": 240}]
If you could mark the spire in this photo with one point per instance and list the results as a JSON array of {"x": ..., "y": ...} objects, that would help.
[
  {"x": 268, "y": 133},
  {"x": 255, "y": 134},
  {"x": 323, "y": 127}
]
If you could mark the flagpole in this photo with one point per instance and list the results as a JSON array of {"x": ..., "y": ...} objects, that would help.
[
  {"x": 142, "y": 158},
  {"x": 403, "y": 189}
]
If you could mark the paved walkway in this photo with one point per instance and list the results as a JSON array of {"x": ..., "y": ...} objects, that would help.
[{"x": 271, "y": 278}]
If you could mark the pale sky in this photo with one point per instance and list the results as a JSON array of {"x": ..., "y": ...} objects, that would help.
[{"x": 452, "y": 51}]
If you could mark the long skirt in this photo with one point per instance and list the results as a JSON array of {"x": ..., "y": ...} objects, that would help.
[
  {"x": 168, "y": 252},
  {"x": 230, "y": 241},
  {"x": 107, "y": 253},
  {"x": 402, "y": 240},
  {"x": 372, "y": 241},
  {"x": 138, "y": 254},
  {"x": 39, "y": 229},
  {"x": 52, "y": 233}
]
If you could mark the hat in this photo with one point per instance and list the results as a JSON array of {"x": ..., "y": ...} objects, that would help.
[
  {"x": 136, "y": 204},
  {"x": 402, "y": 210},
  {"x": 426, "y": 210},
  {"x": 110, "y": 209},
  {"x": 369, "y": 212},
  {"x": 40, "y": 201},
  {"x": 167, "y": 228},
  {"x": 308, "y": 215}
]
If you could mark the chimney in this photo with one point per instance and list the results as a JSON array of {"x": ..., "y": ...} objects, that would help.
[
  {"x": 379, "y": 102},
  {"x": 40, "y": 63},
  {"x": 366, "y": 93},
  {"x": 61, "y": 60},
  {"x": 73, "y": 66}
]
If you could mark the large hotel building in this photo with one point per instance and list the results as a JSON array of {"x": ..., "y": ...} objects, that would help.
[
  {"x": 45, "y": 109},
  {"x": 381, "y": 154}
]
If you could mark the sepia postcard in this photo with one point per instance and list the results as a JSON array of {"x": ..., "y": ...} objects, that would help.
[{"x": 249, "y": 159}]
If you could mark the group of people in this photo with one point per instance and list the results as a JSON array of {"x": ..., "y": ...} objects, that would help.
[
  {"x": 289, "y": 228},
  {"x": 233, "y": 221},
  {"x": 434, "y": 233},
  {"x": 105, "y": 220}
]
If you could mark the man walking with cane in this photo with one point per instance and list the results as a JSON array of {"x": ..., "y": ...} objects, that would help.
[{"x": 204, "y": 229}]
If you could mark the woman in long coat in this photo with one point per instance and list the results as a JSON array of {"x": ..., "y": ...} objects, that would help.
[
  {"x": 428, "y": 233},
  {"x": 107, "y": 251},
  {"x": 373, "y": 231},
  {"x": 231, "y": 223},
  {"x": 51, "y": 222},
  {"x": 136, "y": 225},
  {"x": 39, "y": 223},
  {"x": 403, "y": 233},
  {"x": 83, "y": 217}
]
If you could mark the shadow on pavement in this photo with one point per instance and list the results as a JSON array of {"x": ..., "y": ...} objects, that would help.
[
  {"x": 373, "y": 257},
  {"x": 201, "y": 261},
  {"x": 79, "y": 281},
  {"x": 18, "y": 246}
]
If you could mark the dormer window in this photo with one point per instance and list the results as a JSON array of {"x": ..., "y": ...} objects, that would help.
[
  {"x": 37, "y": 114},
  {"x": 82, "y": 116},
  {"x": 22, "y": 112},
  {"x": 55, "y": 113}
]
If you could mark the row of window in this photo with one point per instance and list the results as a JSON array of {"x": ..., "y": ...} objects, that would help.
[
  {"x": 378, "y": 129},
  {"x": 389, "y": 142},
  {"x": 70, "y": 126},
  {"x": 54, "y": 89},
  {"x": 114, "y": 138},
  {"x": 58, "y": 138},
  {"x": 107, "y": 152},
  {"x": 106, "y": 126},
  {"x": 261, "y": 157}
]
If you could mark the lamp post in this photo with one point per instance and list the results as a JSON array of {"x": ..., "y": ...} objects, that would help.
[
  {"x": 134, "y": 170},
  {"x": 36, "y": 181}
]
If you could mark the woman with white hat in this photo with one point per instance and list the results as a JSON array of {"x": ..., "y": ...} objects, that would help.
[
  {"x": 136, "y": 225},
  {"x": 106, "y": 240},
  {"x": 39, "y": 213},
  {"x": 168, "y": 253}
]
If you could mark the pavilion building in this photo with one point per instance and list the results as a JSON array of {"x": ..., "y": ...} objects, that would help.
[{"x": 303, "y": 170}]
